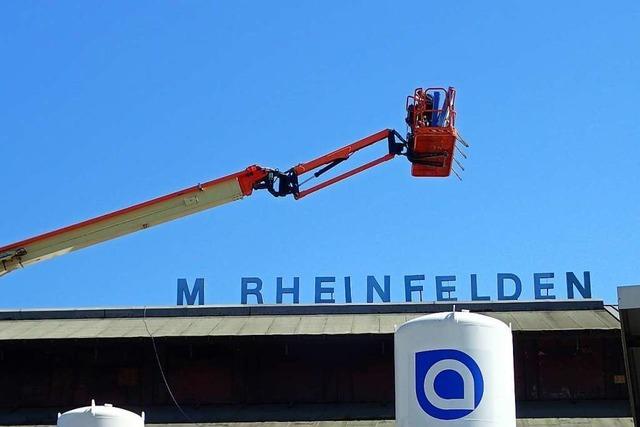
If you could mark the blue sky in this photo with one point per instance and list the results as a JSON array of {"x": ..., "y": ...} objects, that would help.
[{"x": 106, "y": 104}]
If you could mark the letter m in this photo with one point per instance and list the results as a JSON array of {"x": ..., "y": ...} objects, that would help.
[{"x": 190, "y": 296}]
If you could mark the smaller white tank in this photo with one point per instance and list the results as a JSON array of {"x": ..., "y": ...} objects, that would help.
[{"x": 100, "y": 416}]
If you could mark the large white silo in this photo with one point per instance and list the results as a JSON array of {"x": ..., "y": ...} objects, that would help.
[
  {"x": 454, "y": 369},
  {"x": 100, "y": 416}
]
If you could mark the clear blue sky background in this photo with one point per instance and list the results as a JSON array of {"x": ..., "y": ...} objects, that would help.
[{"x": 105, "y": 104}]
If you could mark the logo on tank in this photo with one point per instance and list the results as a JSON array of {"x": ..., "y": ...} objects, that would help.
[{"x": 449, "y": 383}]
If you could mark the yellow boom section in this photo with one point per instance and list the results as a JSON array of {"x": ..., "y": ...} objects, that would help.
[{"x": 125, "y": 221}]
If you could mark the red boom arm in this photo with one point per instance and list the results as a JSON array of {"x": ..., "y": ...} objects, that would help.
[{"x": 185, "y": 202}]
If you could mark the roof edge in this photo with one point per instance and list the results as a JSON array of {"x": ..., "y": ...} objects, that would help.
[{"x": 297, "y": 309}]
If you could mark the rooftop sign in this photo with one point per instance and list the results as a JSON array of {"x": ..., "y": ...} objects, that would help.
[{"x": 509, "y": 287}]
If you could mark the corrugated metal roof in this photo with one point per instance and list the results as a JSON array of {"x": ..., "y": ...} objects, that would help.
[
  {"x": 538, "y": 422},
  {"x": 301, "y": 309},
  {"x": 300, "y": 324},
  {"x": 576, "y": 422},
  {"x": 565, "y": 422}
]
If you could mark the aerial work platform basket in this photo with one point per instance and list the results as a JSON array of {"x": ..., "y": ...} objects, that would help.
[{"x": 432, "y": 140}]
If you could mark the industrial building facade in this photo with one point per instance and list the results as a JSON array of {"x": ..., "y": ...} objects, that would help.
[{"x": 313, "y": 365}]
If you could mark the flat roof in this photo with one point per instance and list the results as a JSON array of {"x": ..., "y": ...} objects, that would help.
[
  {"x": 525, "y": 422},
  {"x": 329, "y": 319},
  {"x": 299, "y": 309}
]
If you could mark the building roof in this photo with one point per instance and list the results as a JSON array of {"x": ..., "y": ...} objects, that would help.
[
  {"x": 531, "y": 422},
  {"x": 526, "y": 422},
  {"x": 330, "y": 319}
]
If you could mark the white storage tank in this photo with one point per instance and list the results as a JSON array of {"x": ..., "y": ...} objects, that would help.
[
  {"x": 454, "y": 369},
  {"x": 100, "y": 416}
]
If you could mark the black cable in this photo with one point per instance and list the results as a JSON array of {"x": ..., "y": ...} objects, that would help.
[{"x": 164, "y": 378}]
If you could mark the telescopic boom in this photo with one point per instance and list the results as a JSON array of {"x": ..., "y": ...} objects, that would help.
[{"x": 431, "y": 161}]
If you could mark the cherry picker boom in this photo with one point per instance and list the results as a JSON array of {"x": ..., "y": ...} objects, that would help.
[{"x": 429, "y": 146}]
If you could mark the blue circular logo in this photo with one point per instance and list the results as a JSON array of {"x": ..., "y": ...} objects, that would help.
[{"x": 449, "y": 383}]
